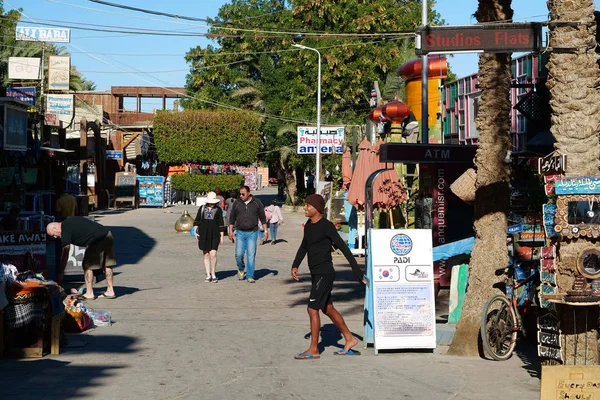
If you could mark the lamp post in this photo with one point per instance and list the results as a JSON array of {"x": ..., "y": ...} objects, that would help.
[{"x": 318, "y": 153}]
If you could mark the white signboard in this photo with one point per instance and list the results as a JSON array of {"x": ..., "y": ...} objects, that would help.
[
  {"x": 332, "y": 139},
  {"x": 402, "y": 287},
  {"x": 24, "y": 68},
  {"x": 58, "y": 72},
  {"x": 41, "y": 34},
  {"x": 60, "y": 104}
]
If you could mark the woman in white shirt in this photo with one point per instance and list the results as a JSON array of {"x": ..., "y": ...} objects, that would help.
[{"x": 275, "y": 220}]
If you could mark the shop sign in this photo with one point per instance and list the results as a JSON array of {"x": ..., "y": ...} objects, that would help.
[
  {"x": 151, "y": 191},
  {"x": 24, "y": 68},
  {"x": 553, "y": 163},
  {"x": 496, "y": 38},
  {"x": 60, "y": 104},
  {"x": 24, "y": 94},
  {"x": 114, "y": 155},
  {"x": 59, "y": 71},
  {"x": 331, "y": 138},
  {"x": 401, "y": 289},
  {"x": 42, "y": 34},
  {"x": 578, "y": 185},
  {"x": 515, "y": 229},
  {"x": 14, "y": 246},
  {"x": 426, "y": 153}
]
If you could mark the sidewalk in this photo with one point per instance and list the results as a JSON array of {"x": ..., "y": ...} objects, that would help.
[{"x": 176, "y": 337}]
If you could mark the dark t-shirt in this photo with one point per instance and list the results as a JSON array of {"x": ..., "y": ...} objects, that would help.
[
  {"x": 81, "y": 231},
  {"x": 317, "y": 242}
]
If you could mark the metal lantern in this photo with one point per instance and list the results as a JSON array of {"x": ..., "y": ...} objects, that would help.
[{"x": 396, "y": 111}]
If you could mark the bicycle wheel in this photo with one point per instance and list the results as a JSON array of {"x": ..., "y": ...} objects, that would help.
[{"x": 499, "y": 328}]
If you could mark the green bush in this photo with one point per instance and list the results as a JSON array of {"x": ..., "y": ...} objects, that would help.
[
  {"x": 207, "y": 137},
  {"x": 206, "y": 183}
]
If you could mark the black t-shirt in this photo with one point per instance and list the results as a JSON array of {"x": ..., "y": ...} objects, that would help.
[
  {"x": 81, "y": 231},
  {"x": 317, "y": 241}
]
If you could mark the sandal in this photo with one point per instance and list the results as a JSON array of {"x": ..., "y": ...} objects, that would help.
[
  {"x": 215, "y": 279},
  {"x": 208, "y": 279}
]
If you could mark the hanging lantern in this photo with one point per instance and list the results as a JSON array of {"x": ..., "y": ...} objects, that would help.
[
  {"x": 376, "y": 114},
  {"x": 396, "y": 111}
]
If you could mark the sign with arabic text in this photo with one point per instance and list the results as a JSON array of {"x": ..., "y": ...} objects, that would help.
[
  {"x": 59, "y": 70},
  {"x": 578, "y": 185},
  {"x": 24, "y": 94},
  {"x": 60, "y": 104},
  {"x": 331, "y": 139},
  {"x": 553, "y": 163}
]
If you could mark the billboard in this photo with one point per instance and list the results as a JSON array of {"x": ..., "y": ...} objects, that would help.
[
  {"x": 24, "y": 68},
  {"x": 332, "y": 139}
]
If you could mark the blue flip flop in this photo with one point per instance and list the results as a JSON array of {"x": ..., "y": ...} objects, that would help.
[
  {"x": 348, "y": 352},
  {"x": 306, "y": 356}
]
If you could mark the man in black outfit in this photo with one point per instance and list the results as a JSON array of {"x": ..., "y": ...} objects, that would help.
[
  {"x": 319, "y": 235},
  {"x": 99, "y": 253}
]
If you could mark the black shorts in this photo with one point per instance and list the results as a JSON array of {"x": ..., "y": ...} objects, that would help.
[{"x": 320, "y": 292}]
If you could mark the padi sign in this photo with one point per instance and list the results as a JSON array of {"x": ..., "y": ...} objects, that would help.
[
  {"x": 34, "y": 34},
  {"x": 332, "y": 139}
]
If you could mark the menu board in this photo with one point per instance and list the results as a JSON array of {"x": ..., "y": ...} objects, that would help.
[
  {"x": 125, "y": 187},
  {"x": 151, "y": 191},
  {"x": 400, "y": 278}
]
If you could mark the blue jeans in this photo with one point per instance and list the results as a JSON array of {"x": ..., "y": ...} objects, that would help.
[
  {"x": 273, "y": 229},
  {"x": 245, "y": 242}
]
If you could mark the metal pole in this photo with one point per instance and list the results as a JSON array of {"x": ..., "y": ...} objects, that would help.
[
  {"x": 318, "y": 152},
  {"x": 318, "y": 155},
  {"x": 42, "y": 79},
  {"x": 353, "y": 148},
  {"x": 425, "y": 86}
]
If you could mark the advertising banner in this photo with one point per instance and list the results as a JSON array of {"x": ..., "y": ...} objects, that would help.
[
  {"x": 401, "y": 286},
  {"x": 151, "y": 191},
  {"x": 59, "y": 70},
  {"x": 24, "y": 94},
  {"x": 25, "y": 68},
  {"x": 332, "y": 139}
]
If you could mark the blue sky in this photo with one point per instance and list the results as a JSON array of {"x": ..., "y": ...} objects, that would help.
[{"x": 103, "y": 57}]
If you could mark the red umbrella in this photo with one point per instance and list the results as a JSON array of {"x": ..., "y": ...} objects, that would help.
[
  {"x": 387, "y": 188},
  {"x": 346, "y": 168},
  {"x": 362, "y": 170}
]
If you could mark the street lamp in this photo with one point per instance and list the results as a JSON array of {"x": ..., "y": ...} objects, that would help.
[{"x": 318, "y": 154}]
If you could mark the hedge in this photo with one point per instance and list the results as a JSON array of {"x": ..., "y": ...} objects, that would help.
[
  {"x": 207, "y": 137},
  {"x": 206, "y": 183}
]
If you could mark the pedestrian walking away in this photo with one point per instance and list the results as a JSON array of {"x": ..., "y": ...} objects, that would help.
[
  {"x": 274, "y": 219},
  {"x": 209, "y": 230},
  {"x": 99, "y": 253},
  {"x": 245, "y": 212},
  {"x": 227, "y": 206},
  {"x": 319, "y": 235}
]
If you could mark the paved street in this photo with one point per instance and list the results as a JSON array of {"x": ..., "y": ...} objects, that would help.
[{"x": 176, "y": 337}]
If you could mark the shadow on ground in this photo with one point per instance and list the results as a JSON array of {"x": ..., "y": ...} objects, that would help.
[
  {"x": 53, "y": 379},
  {"x": 330, "y": 336}
]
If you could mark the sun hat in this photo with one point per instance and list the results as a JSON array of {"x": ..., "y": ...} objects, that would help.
[{"x": 212, "y": 198}]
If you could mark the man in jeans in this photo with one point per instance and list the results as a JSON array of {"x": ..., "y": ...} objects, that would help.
[{"x": 244, "y": 213}]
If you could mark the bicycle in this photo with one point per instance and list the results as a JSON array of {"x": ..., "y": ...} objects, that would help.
[{"x": 501, "y": 320}]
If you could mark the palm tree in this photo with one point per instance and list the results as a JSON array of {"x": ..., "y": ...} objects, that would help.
[
  {"x": 492, "y": 183},
  {"x": 573, "y": 78}
]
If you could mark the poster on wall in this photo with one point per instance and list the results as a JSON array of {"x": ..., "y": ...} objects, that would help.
[
  {"x": 401, "y": 286},
  {"x": 151, "y": 191},
  {"x": 15, "y": 244}
]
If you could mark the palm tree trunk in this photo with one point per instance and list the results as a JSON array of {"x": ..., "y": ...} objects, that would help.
[
  {"x": 492, "y": 184},
  {"x": 573, "y": 80}
]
